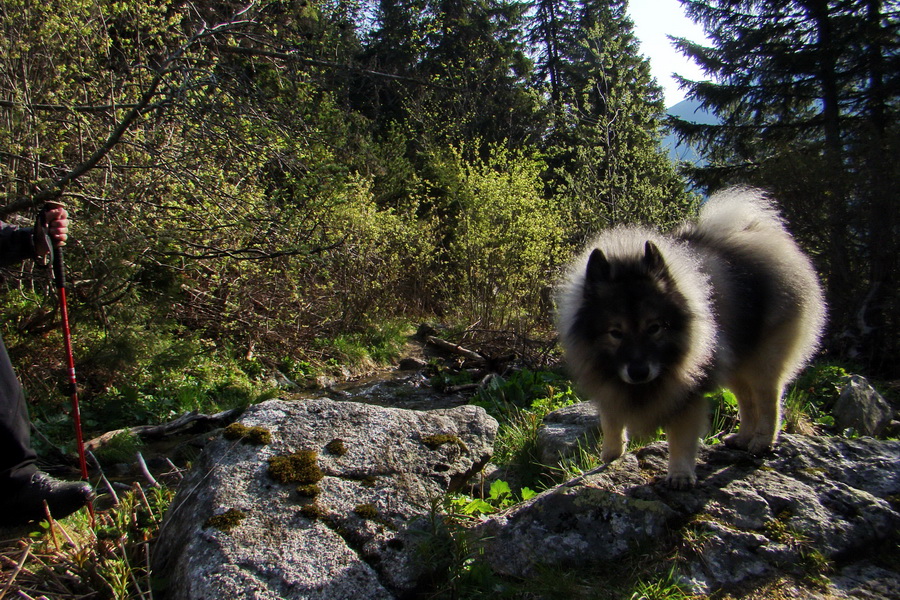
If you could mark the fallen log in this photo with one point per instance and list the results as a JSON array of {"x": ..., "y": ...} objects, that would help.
[
  {"x": 455, "y": 349},
  {"x": 191, "y": 422}
]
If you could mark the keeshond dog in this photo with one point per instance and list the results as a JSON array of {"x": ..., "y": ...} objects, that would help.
[{"x": 650, "y": 322}]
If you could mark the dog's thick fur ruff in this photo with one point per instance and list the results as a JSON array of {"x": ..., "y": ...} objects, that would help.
[{"x": 650, "y": 322}]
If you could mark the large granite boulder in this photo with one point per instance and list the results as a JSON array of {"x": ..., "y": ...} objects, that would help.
[
  {"x": 316, "y": 499},
  {"x": 860, "y": 407},
  {"x": 811, "y": 500}
]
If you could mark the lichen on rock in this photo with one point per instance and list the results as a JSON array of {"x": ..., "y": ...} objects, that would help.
[
  {"x": 336, "y": 447},
  {"x": 440, "y": 439},
  {"x": 294, "y": 544}
]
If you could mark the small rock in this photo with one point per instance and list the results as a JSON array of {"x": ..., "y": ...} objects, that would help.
[
  {"x": 862, "y": 408},
  {"x": 564, "y": 429},
  {"x": 411, "y": 364},
  {"x": 282, "y": 381}
]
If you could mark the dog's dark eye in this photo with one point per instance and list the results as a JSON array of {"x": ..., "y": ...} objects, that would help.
[
  {"x": 654, "y": 329},
  {"x": 616, "y": 334}
]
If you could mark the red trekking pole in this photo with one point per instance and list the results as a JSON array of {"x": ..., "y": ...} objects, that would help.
[{"x": 59, "y": 276}]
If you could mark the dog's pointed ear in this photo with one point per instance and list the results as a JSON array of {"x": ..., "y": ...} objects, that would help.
[
  {"x": 598, "y": 269},
  {"x": 654, "y": 261}
]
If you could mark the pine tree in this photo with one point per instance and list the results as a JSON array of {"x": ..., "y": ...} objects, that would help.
[
  {"x": 807, "y": 96},
  {"x": 395, "y": 46}
]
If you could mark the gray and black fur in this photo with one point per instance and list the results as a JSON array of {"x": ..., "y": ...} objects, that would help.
[{"x": 650, "y": 322}]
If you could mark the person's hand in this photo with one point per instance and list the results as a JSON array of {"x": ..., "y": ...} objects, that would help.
[{"x": 57, "y": 219}]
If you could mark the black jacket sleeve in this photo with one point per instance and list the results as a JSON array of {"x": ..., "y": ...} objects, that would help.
[{"x": 16, "y": 244}]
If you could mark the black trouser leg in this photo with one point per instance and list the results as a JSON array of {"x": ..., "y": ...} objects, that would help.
[{"x": 17, "y": 458}]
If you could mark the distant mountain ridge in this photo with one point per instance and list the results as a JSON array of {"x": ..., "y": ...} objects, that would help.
[{"x": 688, "y": 110}]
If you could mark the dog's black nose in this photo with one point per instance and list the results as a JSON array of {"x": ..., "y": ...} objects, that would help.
[{"x": 639, "y": 372}]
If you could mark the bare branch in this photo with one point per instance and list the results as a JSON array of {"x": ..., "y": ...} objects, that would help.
[
  {"x": 295, "y": 57},
  {"x": 209, "y": 252},
  {"x": 65, "y": 108}
]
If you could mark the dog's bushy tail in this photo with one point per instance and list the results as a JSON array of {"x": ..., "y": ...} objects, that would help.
[
  {"x": 745, "y": 222},
  {"x": 738, "y": 209}
]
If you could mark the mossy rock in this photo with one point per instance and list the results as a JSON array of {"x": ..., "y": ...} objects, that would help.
[
  {"x": 336, "y": 447},
  {"x": 366, "y": 511},
  {"x": 313, "y": 511},
  {"x": 308, "y": 490}
]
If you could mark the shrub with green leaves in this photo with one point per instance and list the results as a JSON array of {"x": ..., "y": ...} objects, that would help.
[
  {"x": 374, "y": 346},
  {"x": 505, "y": 237},
  {"x": 159, "y": 376},
  {"x": 822, "y": 383}
]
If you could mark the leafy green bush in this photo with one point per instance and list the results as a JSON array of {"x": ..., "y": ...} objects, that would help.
[
  {"x": 724, "y": 408},
  {"x": 504, "y": 237},
  {"x": 822, "y": 383},
  {"x": 106, "y": 558},
  {"x": 151, "y": 377},
  {"x": 374, "y": 346},
  {"x": 541, "y": 391}
]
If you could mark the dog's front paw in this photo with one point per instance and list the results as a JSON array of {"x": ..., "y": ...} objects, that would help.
[
  {"x": 760, "y": 444},
  {"x": 611, "y": 454},
  {"x": 738, "y": 441},
  {"x": 681, "y": 481},
  {"x": 754, "y": 444}
]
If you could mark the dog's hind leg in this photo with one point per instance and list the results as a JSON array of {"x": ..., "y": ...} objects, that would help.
[
  {"x": 768, "y": 406},
  {"x": 683, "y": 433},
  {"x": 748, "y": 414},
  {"x": 762, "y": 379},
  {"x": 759, "y": 408}
]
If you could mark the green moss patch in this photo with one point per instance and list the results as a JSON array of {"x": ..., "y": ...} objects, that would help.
[
  {"x": 436, "y": 441},
  {"x": 336, "y": 447},
  {"x": 308, "y": 490},
  {"x": 258, "y": 436},
  {"x": 299, "y": 467},
  {"x": 313, "y": 512},
  {"x": 226, "y": 521},
  {"x": 366, "y": 511}
]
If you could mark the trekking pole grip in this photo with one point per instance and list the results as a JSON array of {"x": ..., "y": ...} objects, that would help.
[{"x": 59, "y": 267}]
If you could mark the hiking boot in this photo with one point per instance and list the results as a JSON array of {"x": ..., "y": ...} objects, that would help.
[{"x": 25, "y": 501}]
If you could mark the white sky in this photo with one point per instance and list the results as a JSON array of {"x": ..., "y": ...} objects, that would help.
[{"x": 653, "y": 20}]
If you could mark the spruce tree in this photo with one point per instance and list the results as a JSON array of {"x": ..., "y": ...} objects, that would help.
[
  {"x": 807, "y": 93},
  {"x": 476, "y": 54},
  {"x": 607, "y": 112}
]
